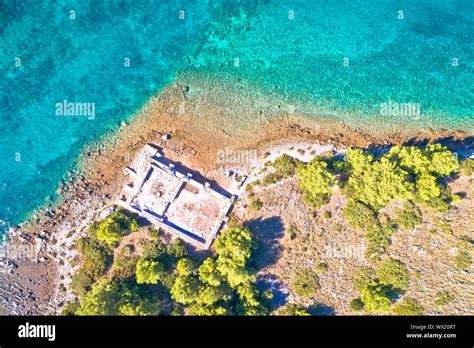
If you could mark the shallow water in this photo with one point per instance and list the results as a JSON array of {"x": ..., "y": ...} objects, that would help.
[
  {"x": 81, "y": 59},
  {"x": 354, "y": 59},
  {"x": 343, "y": 59}
]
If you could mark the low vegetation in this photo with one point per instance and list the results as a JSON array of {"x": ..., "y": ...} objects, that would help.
[
  {"x": 408, "y": 217},
  {"x": 223, "y": 283},
  {"x": 381, "y": 287},
  {"x": 467, "y": 167},
  {"x": 443, "y": 298},
  {"x": 463, "y": 259},
  {"x": 283, "y": 167},
  {"x": 407, "y": 306},
  {"x": 392, "y": 273},
  {"x": 305, "y": 283},
  {"x": 293, "y": 310}
]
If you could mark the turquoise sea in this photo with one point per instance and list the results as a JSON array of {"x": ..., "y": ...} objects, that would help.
[{"x": 343, "y": 58}]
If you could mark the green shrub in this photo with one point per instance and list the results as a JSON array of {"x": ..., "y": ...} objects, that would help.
[
  {"x": 124, "y": 265},
  {"x": 463, "y": 259},
  {"x": 393, "y": 273},
  {"x": 467, "y": 166},
  {"x": 375, "y": 298},
  {"x": 407, "y": 306},
  {"x": 92, "y": 230},
  {"x": 284, "y": 167},
  {"x": 153, "y": 249},
  {"x": 443, "y": 298},
  {"x": 408, "y": 217},
  {"x": 359, "y": 215},
  {"x": 378, "y": 241},
  {"x": 292, "y": 232},
  {"x": 322, "y": 267},
  {"x": 155, "y": 232},
  {"x": 256, "y": 204},
  {"x": 357, "y": 305},
  {"x": 305, "y": 283},
  {"x": 326, "y": 215},
  {"x": 362, "y": 217},
  {"x": 177, "y": 249},
  {"x": 293, "y": 310},
  {"x": 81, "y": 282},
  {"x": 363, "y": 277},
  {"x": 94, "y": 257},
  {"x": 70, "y": 308}
]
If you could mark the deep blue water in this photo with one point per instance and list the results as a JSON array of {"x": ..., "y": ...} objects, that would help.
[{"x": 294, "y": 48}]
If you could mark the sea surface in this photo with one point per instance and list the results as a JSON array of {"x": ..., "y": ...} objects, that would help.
[{"x": 403, "y": 62}]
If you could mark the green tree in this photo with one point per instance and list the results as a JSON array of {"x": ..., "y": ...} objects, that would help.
[
  {"x": 410, "y": 158},
  {"x": 237, "y": 276},
  {"x": 211, "y": 294},
  {"x": 185, "y": 266},
  {"x": 315, "y": 181},
  {"x": 94, "y": 257},
  {"x": 250, "y": 300},
  {"x": 209, "y": 310},
  {"x": 208, "y": 272},
  {"x": 149, "y": 271},
  {"x": 185, "y": 290},
  {"x": 234, "y": 247},
  {"x": 379, "y": 183},
  {"x": 110, "y": 232},
  {"x": 435, "y": 159},
  {"x": 115, "y": 226},
  {"x": 114, "y": 298},
  {"x": 81, "y": 282},
  {"x": 426, "y": 187},
  {"x": 442, "y": 161}
]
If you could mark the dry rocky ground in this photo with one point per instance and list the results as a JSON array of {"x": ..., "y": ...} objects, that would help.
[{"x": 323, "y": 236}]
